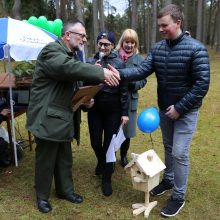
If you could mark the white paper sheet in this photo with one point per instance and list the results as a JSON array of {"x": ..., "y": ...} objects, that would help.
[{"x": 115, "y": 144}]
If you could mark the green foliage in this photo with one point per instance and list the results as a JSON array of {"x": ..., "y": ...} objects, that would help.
[
  {"x": 116, "y": 24},
  {"x": 23, "y": 69}
]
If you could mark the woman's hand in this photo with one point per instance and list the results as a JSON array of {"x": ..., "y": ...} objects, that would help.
[
  {"x": 124, "y": 120},
  {"x": 98, "y": 63},
  {"x": 89, "y": 103}
]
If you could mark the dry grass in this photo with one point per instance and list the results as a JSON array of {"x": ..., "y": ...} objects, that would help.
[{"x": 17, "y": 196}]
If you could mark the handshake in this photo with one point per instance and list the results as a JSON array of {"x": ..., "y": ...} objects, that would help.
[{"x": 111, "y": 76}]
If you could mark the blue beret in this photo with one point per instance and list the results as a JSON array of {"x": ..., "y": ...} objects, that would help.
[{"x": 107, "y": 35}]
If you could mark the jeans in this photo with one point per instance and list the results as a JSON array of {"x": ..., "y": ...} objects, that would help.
[{"x": 177, "y": 136}]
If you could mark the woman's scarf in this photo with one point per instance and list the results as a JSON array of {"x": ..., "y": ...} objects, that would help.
[{"x": 123, "y": 55}]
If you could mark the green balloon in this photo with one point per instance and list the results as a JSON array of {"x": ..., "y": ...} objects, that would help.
[
  {"x": 50, "y": 26},
  {"x": 32, "y": 20},
  {"x": 42, "y": 22},
  {"x": 58, "y": 24},
  {"x": 57, "y": 32}
]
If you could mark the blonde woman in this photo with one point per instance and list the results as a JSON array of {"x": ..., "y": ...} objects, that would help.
[{"x": 127, "y": 51}]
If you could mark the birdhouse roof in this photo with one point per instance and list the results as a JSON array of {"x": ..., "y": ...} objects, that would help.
[{"x": 148, "y": 162}]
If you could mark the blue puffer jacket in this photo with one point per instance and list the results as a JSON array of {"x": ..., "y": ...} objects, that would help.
[{"x": 182, "y": 70}]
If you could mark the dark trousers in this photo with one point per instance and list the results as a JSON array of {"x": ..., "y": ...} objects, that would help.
[
  {"x": 104, "y": 120},
  {"x": 124, "y": 147},
  {"x": 53, "y": 159}
]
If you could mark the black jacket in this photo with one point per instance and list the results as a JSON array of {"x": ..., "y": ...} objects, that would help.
[
  {"x": 182, "y": 70},
  {"x": 122, "y": 89}
]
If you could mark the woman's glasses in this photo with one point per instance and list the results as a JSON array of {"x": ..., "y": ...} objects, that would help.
[{"x": 100, "y": 44}]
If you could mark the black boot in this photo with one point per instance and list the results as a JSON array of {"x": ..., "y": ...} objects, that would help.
[
  {"x": 106, "y": 179},
  {"x": 43, "y": 205},
  {"x": 106, "y": 188},
  {"x": 99, "y": 169},
  {"x": 123, "y": 151},
  {"x": 124, "y": 161}
]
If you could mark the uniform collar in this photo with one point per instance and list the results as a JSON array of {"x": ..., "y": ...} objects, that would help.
[{"x": 68, "y": 51}]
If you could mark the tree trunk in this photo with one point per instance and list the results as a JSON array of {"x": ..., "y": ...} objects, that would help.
[
  {"x": 186, "y": 9},
  {"x": 142, "y": 27},
  {"x": 199, "y": 20},
  {"x": 214, "y": 28},
  {"x": 63, "y": 10},
  {"x": 95, "y": 21},
  {"x": 101, "y": 15},
  {"x": 16, "y": 9},
  {"x": 69, "y": 11},
  {"x": 3, "y": 11},
  {"x": 148, "y": 26},
  {"x": 154, "y": 23},
  {"x": 129, "y": 13},
  {"x": 57, "y": 5},
  {"x": 79, "y": 14},
  {"x": 208, "y": 36},
  {"x": 218, "y": 29},
  {"x": 134, "y": 15},
  {"x": 204, "y": 20}
]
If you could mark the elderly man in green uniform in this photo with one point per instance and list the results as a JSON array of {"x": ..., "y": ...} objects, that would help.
[{"x": 50, "y": 116}]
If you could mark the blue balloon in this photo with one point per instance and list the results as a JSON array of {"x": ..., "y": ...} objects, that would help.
[{"x": 148, "y": 120}]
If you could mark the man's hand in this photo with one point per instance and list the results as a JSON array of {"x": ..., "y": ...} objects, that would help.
[
  {"x": 110, "y": 67},
  {"x": 98, "y": 63},
  {"x": 172, "y": 113},
  {"x": 111, "y": 78}
]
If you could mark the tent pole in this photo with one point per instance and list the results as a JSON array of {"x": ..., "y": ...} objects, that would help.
[
  {"x": 7, "y": 50},
  {"x": 4, "y": 66}
]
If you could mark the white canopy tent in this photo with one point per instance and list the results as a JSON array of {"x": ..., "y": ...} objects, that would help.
[{"x": 22, "y": 42}]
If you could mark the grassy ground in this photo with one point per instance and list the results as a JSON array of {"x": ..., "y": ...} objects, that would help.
[{"x": 17, "y": 196}]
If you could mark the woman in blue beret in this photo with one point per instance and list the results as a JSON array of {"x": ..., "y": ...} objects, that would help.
[{"x": 110, "y": 110}]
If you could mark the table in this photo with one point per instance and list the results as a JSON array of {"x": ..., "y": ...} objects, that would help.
[
  {"x": 8, "y": 121},
  {"x": 4, "y": 83},
  {"x": 4, "y": 86}
]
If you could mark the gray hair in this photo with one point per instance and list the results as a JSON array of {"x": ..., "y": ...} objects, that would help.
[{"x": 69, "y": 24}]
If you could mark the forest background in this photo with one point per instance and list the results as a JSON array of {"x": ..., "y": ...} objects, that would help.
[{"x": 201, "y": 17}]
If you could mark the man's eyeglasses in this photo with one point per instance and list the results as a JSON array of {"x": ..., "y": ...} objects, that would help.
[
  {"x": 104, "y": 44},
  {"x": 81, "y": 35}
]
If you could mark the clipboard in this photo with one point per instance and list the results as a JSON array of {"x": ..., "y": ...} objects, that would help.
[{"x": 84, "y": 94}]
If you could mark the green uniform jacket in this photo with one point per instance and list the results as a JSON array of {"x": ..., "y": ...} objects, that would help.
[{"x": 49, "y": 114}]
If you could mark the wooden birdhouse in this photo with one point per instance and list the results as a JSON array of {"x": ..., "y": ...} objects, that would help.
[{"x": 145, "y": 171}]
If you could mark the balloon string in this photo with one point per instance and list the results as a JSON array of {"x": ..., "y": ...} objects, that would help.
[{"x": 151, "y": 139}]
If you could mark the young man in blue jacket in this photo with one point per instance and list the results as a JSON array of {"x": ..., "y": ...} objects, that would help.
[{"x": 181, "y": 65}]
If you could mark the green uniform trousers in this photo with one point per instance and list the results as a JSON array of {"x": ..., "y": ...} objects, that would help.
[{"x": 53, "y": 159}]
